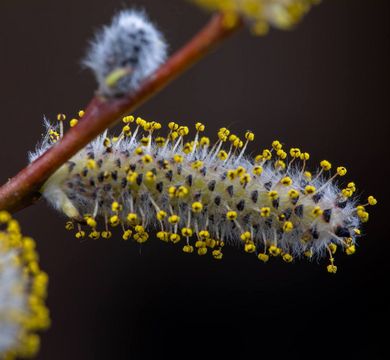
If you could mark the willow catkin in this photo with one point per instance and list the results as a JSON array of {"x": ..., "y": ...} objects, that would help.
[
  {"x": 205, "y": 195},
  {"x": 22, "y": 292}
]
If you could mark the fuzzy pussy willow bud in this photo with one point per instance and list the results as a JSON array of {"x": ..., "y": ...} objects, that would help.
[
  {"x": 205, "y": 195},
  {"x": 22, "y": 292},
  {"x": 125, "y": 52}
]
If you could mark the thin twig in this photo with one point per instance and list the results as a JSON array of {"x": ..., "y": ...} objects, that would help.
[{"x": 23, "y": 189}]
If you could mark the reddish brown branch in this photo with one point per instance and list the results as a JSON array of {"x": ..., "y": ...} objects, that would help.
[{"x": 23, "y": 189}]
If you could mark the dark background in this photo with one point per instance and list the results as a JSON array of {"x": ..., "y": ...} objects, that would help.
[{"x": 322, "y": 87}]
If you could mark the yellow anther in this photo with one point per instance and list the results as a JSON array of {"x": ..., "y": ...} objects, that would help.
[
  {"x": 73, "y": 122},
  {"x": 145, "y": 141},
  {"x": 246, "y": 236},
  {"x": 160, "y": 141},
  {"x": 308, "y": 253},
  {"x": 263, "y": 257},
  {"x": 265, "y": 211},
  {"x": 231, "y": 174},
  {"x": 81, "y": 113},
  {"x": 305, "y": 156},
  {"x": 204, "y": 141},
  {"x": 357, "y": 231},
  {"x": 341, "y": 170},
  {"x": 350, "y": 250},
  {"x": 347, "y": 192},
  {"x": 174, "y": 238},
  {"x": 197, "y": 164},
  {"x": 61, "y": 117},
  {"x": 276, "y": 145},
  {"x": 293, "y": 194},
  {"x": 187, "y": 232},
  {"x": 250, "y": 136},
  {"x": 273, "y": 194},
  {"x": 281, "y": 154},
  {"x": 307, "y": 175},
  {"x": 114, "y": 220},
  {"x": 172, "y": 191},
  {"x": 188, "y": 249},
  {"x": 202, "y": 251},
  {"x": 126, "y": 130},
  {"x": 197, "y": 207},
  {"x": 232, "y": 137},
  {"x": 204, "y": 234},
  {"x": 288, "y": 226},
  {"x": 94, "y": 235},
  {"x": 295, "y": 152},
  {"x": 326, "y": 165},
  {"x": 240, "y": 170},
  {"x": 91, "y": 164},
  {"x": 178, "y": 159},
  {"x": 258, "y": 158},
  {"x": 217, "y": 254},
  {"x": 132, "y": 177},
  {"x": 80, "y": 234},
  {"x": 231, "y": 215},
  {"x": 332, "y": 247},
  {"x": 150, "y": 177},
  {"x": 363, "y": 215},
  {"x": 250, "y": 247},
  {"x": 107, "y": 142},
  {"x": 199, "y": 127},
  {"x": 183, "y": 130},
  {"x": 287, "y": 258},
  {"x": 372, "y": 201},
  {"x": 317, "y": 211},
  {"x": 331, "y": 268},
  {"x": 91, "y": 222},
  {"x": 127, "y": 234},
  {"x": 161, "y": 215},
  {"x": 274, "y": 250},
  {"x": 257, "y": 170},
  {"x": 163, "y": 235},
  {"x": 173, "y": 135},
  {"x": 5, "y": 217},
  {"x": 351, "y": 185},
  {"x": 222, "y": 155},
  {"x": 140, "y": 122},
  {"x": 173, "y": 219},
  {"x": 310, "y": 189},
  {"x": 132, "y": 218},
  {"x": 245, "y": 179},
  {"x": 139, "y": 229},
  {"x": 106, "y": 234},
  {"x": 128, "y": 119},
  {"x": 139, "y": 151},
  {"x": 181, "y": 191},
  {"x": 200, "y": 244},
  {"x": 211, "y": 243},
  {"x": 147, "y": 159},
  {"x": 69, "y": 225},
  {"x": 280, "y": 164},
  {"x": 286, "y": 181},
  {"x": 267, "y": 155},
  {"x": 173, "y": 126},
  {"x": 115, "y": 206},
  {"x": 238, "y": 143}
]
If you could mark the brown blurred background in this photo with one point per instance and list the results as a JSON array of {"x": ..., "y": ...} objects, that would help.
[{"x": 322, "y": 87}]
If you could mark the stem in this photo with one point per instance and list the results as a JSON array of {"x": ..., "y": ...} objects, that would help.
[{"x": 23, "y": 189}]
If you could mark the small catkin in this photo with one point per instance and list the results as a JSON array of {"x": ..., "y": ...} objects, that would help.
[
  {"x": 22, "y": 292},
  {"x": 260, "y": 14},
  {"x": 205, "y": 195},
  {"x": 125, "y": 52}
]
